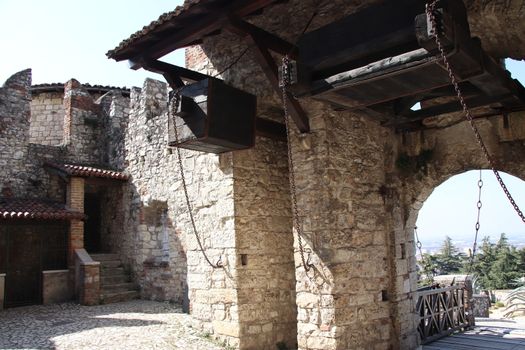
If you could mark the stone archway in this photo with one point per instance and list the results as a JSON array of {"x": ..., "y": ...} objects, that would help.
[{"x": 431, "y": 157}]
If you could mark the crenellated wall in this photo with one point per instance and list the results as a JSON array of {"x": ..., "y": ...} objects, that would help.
[{"x": 14, "y": 134}]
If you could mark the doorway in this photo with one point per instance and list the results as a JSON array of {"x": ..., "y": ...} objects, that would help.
[{"x": 92, "y": 237}]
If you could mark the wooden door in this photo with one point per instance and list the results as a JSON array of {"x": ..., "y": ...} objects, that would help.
[{"x": 23, "y": 283}]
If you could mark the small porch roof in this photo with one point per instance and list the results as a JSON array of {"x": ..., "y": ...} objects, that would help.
[
  {"x": 86, "y": 171},
  {"x": 36, "y": 209}
]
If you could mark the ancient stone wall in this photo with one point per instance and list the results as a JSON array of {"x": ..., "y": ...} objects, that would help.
[
  {"x": 82, "y": 118},
  {"x": 443, "y": 153},
  {"x": 14, "y": 134},
  {"x": 265, "y": 268},
  {"x": 159, "y": 242},
  {"x": 47, "y": 118}
]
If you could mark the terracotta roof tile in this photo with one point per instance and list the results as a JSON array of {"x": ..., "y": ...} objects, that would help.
[
  {"x": 34, "y": 209},
  {"x": 90, "y": 88},
  {"x": 87, "y": 171},
  {"x": 163, "y": 19}
]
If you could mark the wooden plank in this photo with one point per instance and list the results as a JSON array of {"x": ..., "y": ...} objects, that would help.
[
  {"x": 265, "y": 60},
  {"x": 270, "y": 41},
  {"x": 413, "y": 116},
  {"x": 478, "y": 343},
  {"x": 496, "y": 338},
  {"x": 198, "y": 29},
  {"x": 173, "y": 70},
  {"x": 384, "y": 30}
]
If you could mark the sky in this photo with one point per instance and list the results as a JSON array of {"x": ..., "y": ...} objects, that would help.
[{"x": 61, "y": 40}]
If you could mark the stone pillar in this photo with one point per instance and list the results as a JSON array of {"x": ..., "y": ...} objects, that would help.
[
  {"x": 75, "y": 201},
  {"x": 347, "y": 300},
  {"x": 87, "y": 280},
  {"x": 82, "y": 133}
]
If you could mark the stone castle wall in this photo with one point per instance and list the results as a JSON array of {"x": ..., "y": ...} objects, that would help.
[
  {"x": 14, "y": 134},
  {"x": 159, "y": 241},
  {"x": 47, "y": 118},
  {"x": 360, "y": 186}
]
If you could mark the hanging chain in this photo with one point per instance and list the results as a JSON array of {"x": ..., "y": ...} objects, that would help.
[
  {"x": 479, "y": 204},
  {"x": 426, "y": 265},
  {"x": 285, "y": 80},
  {"x": 173, "y": 106},
  {"x": 431, "y": 14}
]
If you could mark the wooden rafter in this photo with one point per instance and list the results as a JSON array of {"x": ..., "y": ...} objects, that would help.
[
  {"x": 262, "y": 41},
  {"x": 194, "y": 32},
  {"x": 270, "y": 41},
  {"x": 175, "y": 75}
]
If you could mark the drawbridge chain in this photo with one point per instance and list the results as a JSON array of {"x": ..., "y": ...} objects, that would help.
[
  {"x": 173, "y": 105},
  {"x": 285, "y": 80},
  {"x": 431, "y": 11}
]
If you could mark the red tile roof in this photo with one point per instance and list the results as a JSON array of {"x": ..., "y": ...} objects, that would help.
[
  {"x": 87, "y": 171},
  {"x": 153, "y": 26},
  {"x": 35, "y": 209},
  {"x": 59, "y": 87},
  {"x": 192, "y": 12}
]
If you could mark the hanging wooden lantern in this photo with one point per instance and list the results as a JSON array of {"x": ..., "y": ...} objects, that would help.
[{"x": 213, "y": 117}]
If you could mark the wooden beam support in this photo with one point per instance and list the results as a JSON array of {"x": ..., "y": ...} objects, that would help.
[
  {"x": 270, "y": 129},
  {"x": 173, "y": 70},
  {"x": 199, "y": 29},
  {"x": 267, "y": 63},
  {"x": 451, "y": 107},
  {"x": 270, "y": 41},
  {"x": 173, "y": 74}
]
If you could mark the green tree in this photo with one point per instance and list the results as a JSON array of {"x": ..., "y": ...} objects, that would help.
[
  {"x": 483, "y": 262},
  {"x": 449, "y": 259},
  {"x": 499, "y": 266}
]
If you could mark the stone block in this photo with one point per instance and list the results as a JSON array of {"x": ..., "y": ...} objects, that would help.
[
  {"x": 226, "y": 328},
  {"x": 56, "y": 286}
]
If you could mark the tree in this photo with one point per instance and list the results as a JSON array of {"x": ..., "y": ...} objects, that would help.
[
  {"x": 499, "y": 266},
  {"x": 449, "y": 259}
]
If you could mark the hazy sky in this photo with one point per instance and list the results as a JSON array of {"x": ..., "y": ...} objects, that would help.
[{"x": 61, "y": 39}]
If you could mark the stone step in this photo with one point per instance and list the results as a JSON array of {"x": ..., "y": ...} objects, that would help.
[
  {"x": 114, "y": 279},
  {"x": 104, "y": 257},
  {"x": 116, "y": 297},
  {"x": 118, "y": 287},
  {"x": 106, "y": 264},
  {"x": 112, "y": 271}
]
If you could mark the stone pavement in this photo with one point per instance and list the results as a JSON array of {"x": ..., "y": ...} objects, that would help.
[{"x": 137, "y": 324}]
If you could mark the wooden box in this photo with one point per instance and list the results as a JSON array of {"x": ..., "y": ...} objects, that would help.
[{"x": 214, "y": 117}]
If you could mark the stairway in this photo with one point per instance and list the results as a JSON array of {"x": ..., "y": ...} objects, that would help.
[{"x": 115, "y": 285}]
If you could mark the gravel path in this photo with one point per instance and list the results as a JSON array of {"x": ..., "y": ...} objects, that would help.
[{"x": 137, "y": 324}]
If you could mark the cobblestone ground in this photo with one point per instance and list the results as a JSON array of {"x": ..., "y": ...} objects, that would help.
[{"x": 136, "y": 324}]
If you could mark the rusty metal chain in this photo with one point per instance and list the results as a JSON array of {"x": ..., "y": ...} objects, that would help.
[
  {"x": 419, "y": 247},
  {"x": 479, "y": 204},
  {"x": 173, "y": 106},
  {"x": 285, "y": 80},
  {"x": 431, "y": 15}
]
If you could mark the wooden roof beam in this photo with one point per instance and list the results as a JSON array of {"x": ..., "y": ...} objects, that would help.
[
  {"x": 174, "y": 75},
  {"x": 172, "y": 70},
  {"x": 194, "y": 32},
  {"x": 265, "y": 60},
  {"x": 269, "y": 40}
]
